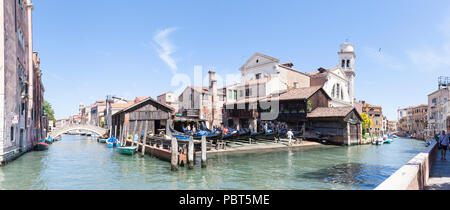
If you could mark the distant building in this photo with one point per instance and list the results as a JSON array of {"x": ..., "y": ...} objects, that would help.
[
  {"x": 439, "y": 110},
  {"x": 413, "y": 121},
  {"x": 375, "y": 113},
  {"x": 392, "y": 126},
  {"x": 169, "y": 99}
]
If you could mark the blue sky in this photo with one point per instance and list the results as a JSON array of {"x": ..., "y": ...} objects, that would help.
[{"x": 92, "y": 48}]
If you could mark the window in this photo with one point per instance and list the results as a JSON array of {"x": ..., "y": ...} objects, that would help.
[
  {"x": 258, "y": 76},
  {"x": 241, "y": 93},
  {"x": 296, "y": 85},
  {"x": 338, "y": 90},
  {"x": 230, "y": 94},
  {"x": 342, "y": 94},
  {"x": 12, "y": 133},
  {"x": 348, "y": 63},
  {"x": 333, "y": 91},
  {"x": 235, "y": 95},
  {"x": 248, "y": 92},
  {"x": 21, "y": 38},
  {"x": 343, "y": 63}
]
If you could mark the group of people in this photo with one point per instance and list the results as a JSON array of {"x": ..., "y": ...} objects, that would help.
[
  {"x": 443, "y": 143},
  {"x": 273, "y": 125}
]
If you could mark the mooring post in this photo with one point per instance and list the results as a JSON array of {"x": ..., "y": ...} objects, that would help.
[
  {"x": 139, "y": 137},
  {"x": 191, "y": 153},
  {"x": 174, "y": 159},
  {"x": 204, "y": 152},
  {"x": 144, "y": 143},
  {"x": 115, "y": 131}
]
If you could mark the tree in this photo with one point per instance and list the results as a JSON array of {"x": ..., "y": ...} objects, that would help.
[
  {"x": 48, "y": 110},
  {"x": 367, "y": 122},
  {"x": 309, "y": 106}
]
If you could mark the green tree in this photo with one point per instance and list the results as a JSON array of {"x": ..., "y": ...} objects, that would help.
[
  {"x": 309, "y": 106},
  {"x": 367, "y": 122},
  {"x": 48, "y": 110}
]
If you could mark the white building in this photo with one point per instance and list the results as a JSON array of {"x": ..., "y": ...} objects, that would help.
[
  {"x": 439, "y": 111},
  {"x": 338, "y": 81}
]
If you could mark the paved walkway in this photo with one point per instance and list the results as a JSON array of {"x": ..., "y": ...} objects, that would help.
[{"x": 440, "y": 173}]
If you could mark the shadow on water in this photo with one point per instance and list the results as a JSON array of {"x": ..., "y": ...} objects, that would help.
[{"x": 356, "y": 175}]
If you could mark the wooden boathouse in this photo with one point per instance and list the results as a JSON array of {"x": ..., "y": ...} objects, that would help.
[
  {"x": 339, "y": 125},
  {"x": 148, "y": 115},
  {"x": 151, "y": 122}
]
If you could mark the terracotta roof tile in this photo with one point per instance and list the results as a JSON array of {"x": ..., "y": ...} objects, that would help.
[{"x": 330, "y": 112}]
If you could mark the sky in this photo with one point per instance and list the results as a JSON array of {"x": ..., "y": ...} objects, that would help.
[{"x": 92, "y": 48}]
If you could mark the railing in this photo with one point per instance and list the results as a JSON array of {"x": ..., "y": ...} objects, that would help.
[{"x": 414, "y": 175}]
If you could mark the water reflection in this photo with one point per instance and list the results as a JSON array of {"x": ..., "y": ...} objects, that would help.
[{"x": 352, "y": 174}]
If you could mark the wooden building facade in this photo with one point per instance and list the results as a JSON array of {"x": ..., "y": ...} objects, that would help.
[
  {"x": 146, "y": 115},
  {"x": 340, "y": 125}
]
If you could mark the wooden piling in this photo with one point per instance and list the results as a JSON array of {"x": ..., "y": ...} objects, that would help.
[
  {"x": 174, "y": 158},
  {"x": 115, "y": 131},
  {"x": 144, "y": 143},
  {"x": 204, "y": 158},
  {"x": 139, "y": 137},
  {"x": 191, "y": 153}
]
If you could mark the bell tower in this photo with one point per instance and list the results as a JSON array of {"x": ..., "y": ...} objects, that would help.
[{"x": 347, "y": 58}]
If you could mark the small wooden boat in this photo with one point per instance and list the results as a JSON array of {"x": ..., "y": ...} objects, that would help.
[
  {"x": 41, "y": 146},
  {"x": 127, "y": 150}
]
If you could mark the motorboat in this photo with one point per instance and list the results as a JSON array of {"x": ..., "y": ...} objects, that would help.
[{"x": 379, "y": 141}]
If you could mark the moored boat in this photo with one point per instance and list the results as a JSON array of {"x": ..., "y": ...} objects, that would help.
[
  {"x": 102, "y": 140},
  {"x": 49, "y": 140},
  {"x": 379, "y": 141},
  {"x": 41, "y": 146},
  {"x": 127, "y": 150}
]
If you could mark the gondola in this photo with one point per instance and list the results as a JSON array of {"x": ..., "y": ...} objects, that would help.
[
  {"x": 270, "y": 135},
  {"x": 244, "y": 134},
  {"x": 178, "y": 135},
  {"x": 209, "y": 135}
]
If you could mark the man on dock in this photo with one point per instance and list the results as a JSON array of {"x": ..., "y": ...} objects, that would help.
[
  {"x": 443, "y": 143},
  {"x": 290, "y": 135}
]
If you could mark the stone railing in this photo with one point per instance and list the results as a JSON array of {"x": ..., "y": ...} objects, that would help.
[{"x": 414, "y": 175}]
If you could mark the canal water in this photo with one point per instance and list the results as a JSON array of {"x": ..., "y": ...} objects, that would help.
[{"x": 80, "y": 163}]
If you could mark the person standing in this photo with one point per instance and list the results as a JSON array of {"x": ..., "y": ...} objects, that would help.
[
  {"x": 444, "y": 142},
  {"x": 290, "y": 135}
]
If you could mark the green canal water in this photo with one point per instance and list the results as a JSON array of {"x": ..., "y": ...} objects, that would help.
[{"x": 80, "y": 163}]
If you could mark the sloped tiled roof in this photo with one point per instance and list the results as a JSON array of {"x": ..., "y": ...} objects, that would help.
[
  {"x": 330, "y": 112},
  {"x": 298, "y": 93}
]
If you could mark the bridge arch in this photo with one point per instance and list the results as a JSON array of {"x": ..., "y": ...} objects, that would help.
[{"x": 60, "y": 131}]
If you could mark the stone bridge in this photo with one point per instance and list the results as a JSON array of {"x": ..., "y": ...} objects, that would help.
[{"x": 74, "y": 127}]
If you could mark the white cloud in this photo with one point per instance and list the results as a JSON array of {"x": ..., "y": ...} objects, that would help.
[
  {"x": 166, "y": 48},
  {"x": 437, "y": 58},
  {"x": 383, "y": 58}
]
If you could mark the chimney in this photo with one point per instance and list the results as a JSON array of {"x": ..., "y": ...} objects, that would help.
[
  {"x": 290, "y": 65},
  {"x": 322, "y": 70},
  {"x": 214, "y": 97}
]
